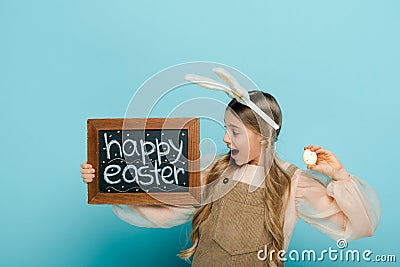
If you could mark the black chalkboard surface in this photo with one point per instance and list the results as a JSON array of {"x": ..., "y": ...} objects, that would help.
[
  {"x": 144, "y": 161},
  {"x": 155, "y": 163}
]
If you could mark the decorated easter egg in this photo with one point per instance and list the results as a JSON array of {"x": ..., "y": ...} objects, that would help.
[{"x": 309, "y": 157}]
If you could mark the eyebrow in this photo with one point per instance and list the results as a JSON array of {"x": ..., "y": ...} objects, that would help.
[{"x": 233, "y": 126}]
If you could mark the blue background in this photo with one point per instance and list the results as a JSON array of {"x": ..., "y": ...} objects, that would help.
[{"x": 332, "y": 65}]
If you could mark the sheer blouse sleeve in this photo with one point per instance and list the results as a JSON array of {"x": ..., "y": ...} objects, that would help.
[
  {"x": 163, "y": 215},
  {"x": 348, "y": 209},
  {"x": 154, "y": 216}
]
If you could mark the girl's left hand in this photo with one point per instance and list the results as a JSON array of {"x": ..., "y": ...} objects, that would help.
[{"x": 328, "y": 164}]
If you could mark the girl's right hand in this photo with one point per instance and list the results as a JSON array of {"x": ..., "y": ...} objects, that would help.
[{"x": 87, "y": 172}]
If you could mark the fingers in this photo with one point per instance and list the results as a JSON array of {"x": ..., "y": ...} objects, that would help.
[
  {"x": 310, "y": 166},
  {"x": 87, "y": 180},
  {"x": 317, "y": 149},
  {"x": 315, "y": 168},
  {"x": 87, "y": 172},
  {"x": 312, "y": 148},
  {"x": 322, "y": 151},
  {"x": 84, "y": 171},
  {"x": 85, "y": 165},
  {"x": 88, "y": 177}
]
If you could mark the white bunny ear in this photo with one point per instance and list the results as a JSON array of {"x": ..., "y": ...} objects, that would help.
[
  {"x": 205, "y": 82},
  {"x": 238, "y": 90},
  {"x": 208, "y": 83}
]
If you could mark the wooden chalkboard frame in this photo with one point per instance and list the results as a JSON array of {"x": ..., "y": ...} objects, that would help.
[{"x": 192, "y": 197}]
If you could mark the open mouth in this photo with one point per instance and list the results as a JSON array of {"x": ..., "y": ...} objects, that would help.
[{"x": 234, "y": 152}]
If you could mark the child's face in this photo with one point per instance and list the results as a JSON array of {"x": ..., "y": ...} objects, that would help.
[{"x": 244, "y": 144}]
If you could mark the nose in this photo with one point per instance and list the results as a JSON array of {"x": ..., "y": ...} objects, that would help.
[{"x": 226, "y": 138}]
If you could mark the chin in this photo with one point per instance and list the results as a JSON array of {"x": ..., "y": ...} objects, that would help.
[{"x": 237, "y": 162}]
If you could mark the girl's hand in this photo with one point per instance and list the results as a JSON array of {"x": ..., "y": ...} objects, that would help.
[
  {"x": 87, "y": 172},
  {"x": 328, "y": 164}
]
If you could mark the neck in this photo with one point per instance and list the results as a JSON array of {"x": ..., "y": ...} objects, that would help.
[{"x": 257, "y": 161}]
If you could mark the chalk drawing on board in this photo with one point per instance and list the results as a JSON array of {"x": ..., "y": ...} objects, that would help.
[{"x": 155, "y": 161}]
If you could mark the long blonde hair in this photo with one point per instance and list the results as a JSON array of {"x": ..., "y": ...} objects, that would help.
[{"x": 277, "y": 181}]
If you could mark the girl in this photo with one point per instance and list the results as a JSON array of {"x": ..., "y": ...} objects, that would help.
[{"x": 253, "y": 198}]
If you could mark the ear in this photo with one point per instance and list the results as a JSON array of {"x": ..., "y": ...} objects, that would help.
[{"x": 262, "y": 139}]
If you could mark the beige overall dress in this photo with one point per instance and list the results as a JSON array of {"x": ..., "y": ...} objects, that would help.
[{"x": 234, "y": 231}]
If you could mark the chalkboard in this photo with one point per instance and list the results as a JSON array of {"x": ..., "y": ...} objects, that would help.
[
  {"x": 144, "y": 160},
  {"x": 155, "y": 163}
]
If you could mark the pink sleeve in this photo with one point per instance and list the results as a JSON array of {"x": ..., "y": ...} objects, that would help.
[{"x": 347, "y": 209}]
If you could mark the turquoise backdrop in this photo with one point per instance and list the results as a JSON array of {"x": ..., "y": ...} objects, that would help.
[{"x": 334, "y": 67}]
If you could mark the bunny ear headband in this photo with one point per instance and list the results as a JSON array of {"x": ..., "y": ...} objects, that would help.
[{"x": 233, "y": 91}]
